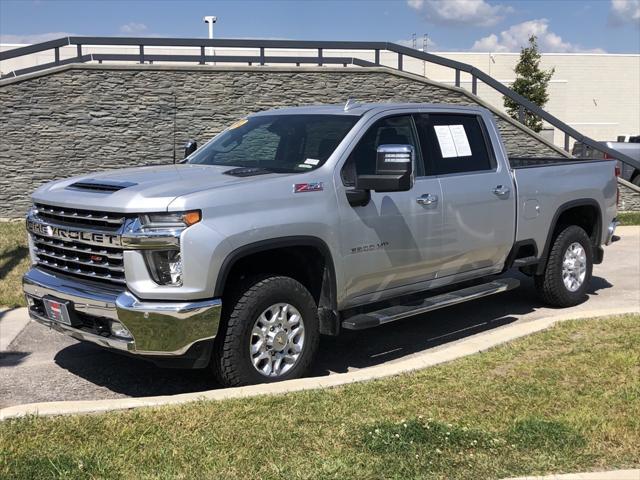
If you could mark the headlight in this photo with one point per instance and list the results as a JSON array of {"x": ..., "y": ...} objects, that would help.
[
  {"x": 170, "y": 220},
  {"x": 165, "y": 266}
]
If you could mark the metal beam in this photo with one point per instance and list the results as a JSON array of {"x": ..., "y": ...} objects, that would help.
[{"x": 35, "y": 48}]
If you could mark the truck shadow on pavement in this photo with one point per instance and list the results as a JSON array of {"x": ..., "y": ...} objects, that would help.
[
  {"x": 417, "y": 334},
  {"x": 351, "y": 350}
]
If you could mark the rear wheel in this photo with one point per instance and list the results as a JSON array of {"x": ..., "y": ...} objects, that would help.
[
  {"x": 568, "y": 271},
  {"x": 270, "y": 334}
]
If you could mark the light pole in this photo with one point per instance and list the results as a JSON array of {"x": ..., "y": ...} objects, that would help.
[{"x": 210, "y": 20}]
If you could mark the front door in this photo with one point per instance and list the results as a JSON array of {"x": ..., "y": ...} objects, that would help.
[{"x": 393, "y": 241}]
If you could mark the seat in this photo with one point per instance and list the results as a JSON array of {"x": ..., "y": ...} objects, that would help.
[{"x": 390, "y": 136}]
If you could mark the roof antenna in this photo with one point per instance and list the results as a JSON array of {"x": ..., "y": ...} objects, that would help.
[{"x": 351, "y": 103}]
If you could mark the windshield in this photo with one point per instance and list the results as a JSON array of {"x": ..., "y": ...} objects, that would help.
[{"x": 280, "y": 143}]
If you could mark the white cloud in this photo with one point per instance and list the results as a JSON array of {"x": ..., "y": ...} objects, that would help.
[
  {"x": 517, "y": 36},
  {"x": 625, "y": 11},
  {"x": 461, "y": 12},
  {"x": 133, "y": 28},
  {"x": 35, "y": 38}
]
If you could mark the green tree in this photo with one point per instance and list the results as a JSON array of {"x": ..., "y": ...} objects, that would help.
[{"x": 531, "y": 82}]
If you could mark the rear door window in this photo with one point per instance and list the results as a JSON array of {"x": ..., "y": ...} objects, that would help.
[{"x": 453, "y": 143}]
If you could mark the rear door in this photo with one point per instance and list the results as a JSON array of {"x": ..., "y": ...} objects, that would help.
[{"x": 477, "y": 198}]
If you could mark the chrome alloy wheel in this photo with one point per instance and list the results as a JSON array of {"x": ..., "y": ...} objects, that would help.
[
  {"x": 277, "y": 340},
  {"x": 574, "y": 267}
]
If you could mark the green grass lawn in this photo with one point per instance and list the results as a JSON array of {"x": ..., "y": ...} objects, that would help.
[
  {"x": 563, "y": 400},
  {"x": 14, "y": 261},
  {"x": 629, "y": 218}
]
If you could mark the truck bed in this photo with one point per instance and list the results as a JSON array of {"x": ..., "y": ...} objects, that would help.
[{"x": 545, "y": 185}]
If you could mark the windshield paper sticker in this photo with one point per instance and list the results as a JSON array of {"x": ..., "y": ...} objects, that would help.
[
  {"x": 312, "y": 161},
  {"x": 460, "y": 140},
  {"x": 453, "y": 141},
  {"x": 445, "y": 139}
]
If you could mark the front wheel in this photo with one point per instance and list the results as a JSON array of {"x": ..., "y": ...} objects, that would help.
[
  {"x": 568, "y": 271},
  {"x": 270, "y": 334}
]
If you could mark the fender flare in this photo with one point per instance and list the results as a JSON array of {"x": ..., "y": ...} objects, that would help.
[
  {"x": 582, "y": 202},
  {"x": 280, "y": 242}
]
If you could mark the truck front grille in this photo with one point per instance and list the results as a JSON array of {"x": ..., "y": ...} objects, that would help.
[{"x": 76, "y": 258}]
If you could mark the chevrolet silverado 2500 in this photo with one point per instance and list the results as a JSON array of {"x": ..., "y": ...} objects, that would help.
[{"x": 304, "y": 221}]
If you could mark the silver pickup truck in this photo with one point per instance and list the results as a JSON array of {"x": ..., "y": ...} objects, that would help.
[
  {"x": 304, "y": 221},
  {"x": 630, "y": 147}
]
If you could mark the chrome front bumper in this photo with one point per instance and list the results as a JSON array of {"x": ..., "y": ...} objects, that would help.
[{"x": 157, "y": 328}]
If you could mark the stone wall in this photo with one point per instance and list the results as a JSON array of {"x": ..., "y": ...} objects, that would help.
[
  {"x": 95, "y": 117},
  {"x": 629, "y": 197}
]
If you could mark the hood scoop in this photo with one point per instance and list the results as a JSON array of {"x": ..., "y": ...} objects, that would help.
[
  {"x": 247, "y": 171},
  {"x": 100, "y": 186}
]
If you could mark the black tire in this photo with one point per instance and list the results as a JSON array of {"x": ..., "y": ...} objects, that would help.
[
  {"x": 550, "y": 284},
  {"x": 231, "y": 360}
]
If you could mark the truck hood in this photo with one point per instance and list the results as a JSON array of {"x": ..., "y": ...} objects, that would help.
[{"x": 140, "y": 189}]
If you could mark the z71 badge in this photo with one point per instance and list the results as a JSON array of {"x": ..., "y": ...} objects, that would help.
[{"x": 308, "y": 187}]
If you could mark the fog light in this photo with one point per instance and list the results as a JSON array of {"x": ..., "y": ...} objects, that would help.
[
  {"x": 165, "y": 266},
  {"x": 119, "y": 330}
]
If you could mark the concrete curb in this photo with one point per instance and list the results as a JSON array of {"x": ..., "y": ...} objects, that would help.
[
  {"x": 12, "y": 322},
  {"x": 609, "y": 475},
  {"x": 473, "y": 344}
]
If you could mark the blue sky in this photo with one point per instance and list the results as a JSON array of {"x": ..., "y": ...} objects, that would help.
[{"x": 461, "y": 25}]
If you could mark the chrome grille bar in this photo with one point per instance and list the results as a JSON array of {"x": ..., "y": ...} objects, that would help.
[
  {"x": 78, "y": 261},
  {"x": 73, "y": 247},
  {"x": 81, "y": 217},
  {"x": 82, "y": 273}
]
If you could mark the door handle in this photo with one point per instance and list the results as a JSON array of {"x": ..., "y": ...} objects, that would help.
[
  {"x": 501, "y": 191},
  {"x": 427, "y": 199}
]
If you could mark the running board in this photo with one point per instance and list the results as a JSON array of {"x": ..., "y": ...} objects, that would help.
[{"x": 398, "y": 312}]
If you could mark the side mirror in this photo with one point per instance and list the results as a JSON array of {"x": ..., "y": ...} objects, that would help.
[
  {"x": 190, "y": 147},
  {"x": 394, "y": 170}
]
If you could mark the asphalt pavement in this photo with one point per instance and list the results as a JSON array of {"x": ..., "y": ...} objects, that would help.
[{"x": 41, "y": 365}]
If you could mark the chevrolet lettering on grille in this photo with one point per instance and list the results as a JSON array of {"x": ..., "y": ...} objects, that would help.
[{"x": 95, "y": 238}]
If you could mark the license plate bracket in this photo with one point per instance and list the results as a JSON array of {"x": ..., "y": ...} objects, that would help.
[{"x": 59, "y": 311}]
